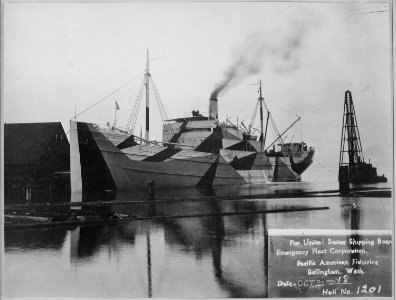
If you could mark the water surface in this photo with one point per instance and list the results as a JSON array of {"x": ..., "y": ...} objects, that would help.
[{"x": 199, "y": 257}]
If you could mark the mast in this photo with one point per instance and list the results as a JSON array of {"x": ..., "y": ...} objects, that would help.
[
  {"x": 147, "y": 82},
  {"x": 115, "y": 114},
  {"x": 266, "y": 127},
  {"x": 261, "y": 118}
]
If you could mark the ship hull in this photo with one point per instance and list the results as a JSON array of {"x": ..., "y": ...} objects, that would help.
[{"x": 105, "y": 160}]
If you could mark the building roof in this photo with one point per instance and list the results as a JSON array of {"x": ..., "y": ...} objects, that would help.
[{"x": 25, "y": 143}]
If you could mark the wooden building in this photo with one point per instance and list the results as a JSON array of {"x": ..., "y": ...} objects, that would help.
[{"x": 34, "y": 153}]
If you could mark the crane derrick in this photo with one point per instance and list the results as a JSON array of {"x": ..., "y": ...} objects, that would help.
[{"x": 352, "y": 167}]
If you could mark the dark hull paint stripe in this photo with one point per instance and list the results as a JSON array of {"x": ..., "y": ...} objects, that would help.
[
  {"x": 300, "y": 167},
  {"x": 129, "y": 142},
  {"x": 213, "y": 143},
  {"x": 176, "y": 137},
  {"x": 242, "y": 146},
  {"x": 207, "y": 179},
  {"x": 162, "y": 155},
  {"x": 244, "y": 163},
  {"x": 92, "y": 162}
]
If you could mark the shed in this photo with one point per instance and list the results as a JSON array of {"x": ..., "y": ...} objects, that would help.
[{"x": 34, "y": 151}]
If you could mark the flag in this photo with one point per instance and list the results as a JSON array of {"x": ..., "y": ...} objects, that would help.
[{"x": 116, "y": 106}]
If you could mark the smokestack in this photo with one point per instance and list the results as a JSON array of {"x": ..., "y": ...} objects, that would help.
[{"x": 213, "y": 108}]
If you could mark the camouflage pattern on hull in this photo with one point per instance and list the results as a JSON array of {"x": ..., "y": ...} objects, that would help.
[{"x": 111, "y": 160}]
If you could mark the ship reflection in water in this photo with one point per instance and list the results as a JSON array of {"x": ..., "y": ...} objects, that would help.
[{"x": 191, "y": 257}]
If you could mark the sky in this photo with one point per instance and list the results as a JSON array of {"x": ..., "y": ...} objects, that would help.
[{"x": 64, "y": 57}]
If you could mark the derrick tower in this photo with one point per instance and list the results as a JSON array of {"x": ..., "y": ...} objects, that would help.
[
  {"x": 354, "y": 169},
  {"x": 350, "y": 136}
]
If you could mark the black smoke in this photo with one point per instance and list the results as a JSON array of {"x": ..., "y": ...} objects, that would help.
[{"x": 279, "y": 49}]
